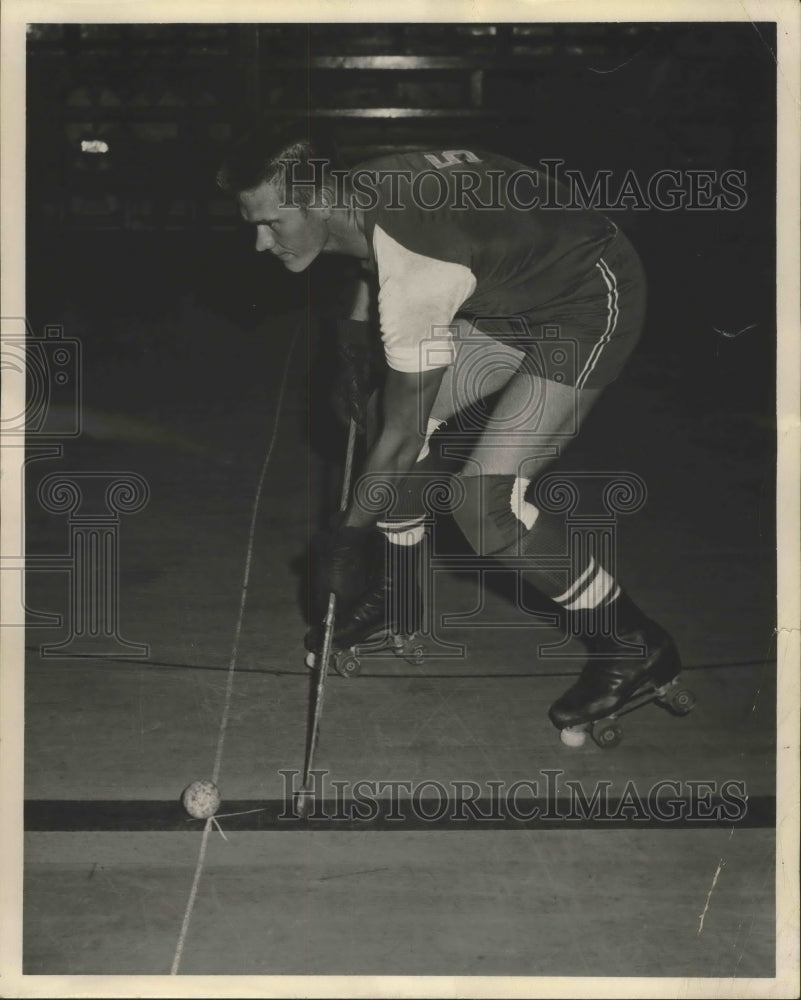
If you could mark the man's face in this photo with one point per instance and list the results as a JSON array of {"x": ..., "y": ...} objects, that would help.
[{"x": 295, "y": 235}]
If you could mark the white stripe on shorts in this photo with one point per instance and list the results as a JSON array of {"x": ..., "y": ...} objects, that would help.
[{"x": 613, "y": 312}]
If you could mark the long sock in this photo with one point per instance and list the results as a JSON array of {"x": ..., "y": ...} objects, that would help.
[
  {"x": 587, "y": 593},
  {"x": 403, "y": 558},
  {"x": 404, "y": 529},
  {"x": 596, "y": 608}
]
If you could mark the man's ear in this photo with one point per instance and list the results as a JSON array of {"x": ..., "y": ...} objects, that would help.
[{"x": 324, "y": 202}]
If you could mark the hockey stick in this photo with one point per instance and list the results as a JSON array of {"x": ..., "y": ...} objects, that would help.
[{"x": 328, "y": 636}]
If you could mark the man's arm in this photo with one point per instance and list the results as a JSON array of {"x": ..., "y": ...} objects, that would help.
[
  {"x": 360, "y": 308},
  {"x": 360, "y": 360},
  {"x": 356, "y": 329},
  {"x": 407, "y": 402}
]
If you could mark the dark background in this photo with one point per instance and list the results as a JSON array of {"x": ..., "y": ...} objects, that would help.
[{"x": 135, "y": 232}]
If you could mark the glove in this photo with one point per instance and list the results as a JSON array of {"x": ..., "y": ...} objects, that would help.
[
  {"x": 359, "y": 367},
  {"x": 340, "y": 563}
]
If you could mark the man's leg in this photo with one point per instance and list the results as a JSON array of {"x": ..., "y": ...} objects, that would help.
[
  {"x": 532, "y": 421},
  {"x": 394, "y": 602},
  {"x": 522, "y": 423}
]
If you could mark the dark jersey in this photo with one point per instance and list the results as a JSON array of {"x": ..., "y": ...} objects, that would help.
[{"x": 467, "y": 233}]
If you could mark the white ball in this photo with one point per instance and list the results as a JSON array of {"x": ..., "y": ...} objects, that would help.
[
  {"x": 201, "y": 799},
  {"x": 311, "y": 660},
  {"x": 573, "y": 736}
]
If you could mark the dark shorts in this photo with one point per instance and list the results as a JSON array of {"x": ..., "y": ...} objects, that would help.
[{"x": 583, "y": 337}]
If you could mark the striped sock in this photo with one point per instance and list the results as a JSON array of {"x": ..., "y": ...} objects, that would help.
[
  {"x": 591, "y": 591},
  {"x": 593, "y": 588},
  {"x": 403, "y": 532}
]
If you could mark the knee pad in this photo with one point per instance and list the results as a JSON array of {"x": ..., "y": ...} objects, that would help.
[{"x": 493, "y": 513}]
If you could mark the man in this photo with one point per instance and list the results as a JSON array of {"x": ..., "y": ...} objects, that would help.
[{"x": 476, "y": 264}]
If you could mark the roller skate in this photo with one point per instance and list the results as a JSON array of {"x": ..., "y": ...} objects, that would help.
[
  {"x": 611, "y": 685},
  {"x": 388, "y": 616}
]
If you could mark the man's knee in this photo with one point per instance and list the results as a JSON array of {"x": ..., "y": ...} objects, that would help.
[{"x": 492, "y": 511}]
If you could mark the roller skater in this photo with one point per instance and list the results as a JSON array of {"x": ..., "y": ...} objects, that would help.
[{"x": 492, "y": 290}]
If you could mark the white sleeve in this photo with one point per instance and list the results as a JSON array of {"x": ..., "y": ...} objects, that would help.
[{"x": 417, "y": 300}]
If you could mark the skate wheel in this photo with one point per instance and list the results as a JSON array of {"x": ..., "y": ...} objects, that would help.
[
  {"x": 347, "y": 664},
  {"x": 607, "y": 734},
  {"x": 311, "y": 660},
  {"x": 573, "y": 736},
  {"x": 405, "y": 646},
  {"x": 682, "y": 701},
  {"x": 414, "y": 651},
  {"x": 418, "y": 655}
]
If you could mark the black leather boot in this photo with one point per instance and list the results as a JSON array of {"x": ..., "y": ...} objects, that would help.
[
  {"x": 612, "y": 677},
  {"x": 390, "y": 609}
]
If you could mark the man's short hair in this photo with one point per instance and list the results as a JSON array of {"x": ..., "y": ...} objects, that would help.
[{"x": 290, "y": 157}]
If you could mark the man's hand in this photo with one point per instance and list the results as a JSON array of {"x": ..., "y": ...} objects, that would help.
[
  {"x": 360, "y": 360},
  {"x": 407, "y": 399}
]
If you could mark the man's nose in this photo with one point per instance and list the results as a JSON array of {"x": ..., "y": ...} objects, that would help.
[{"x": 264, "y": 239}]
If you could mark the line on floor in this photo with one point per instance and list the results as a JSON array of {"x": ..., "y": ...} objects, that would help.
[
  {"x": 234, "y": 652},
  {"x": 398, "y": 674}
]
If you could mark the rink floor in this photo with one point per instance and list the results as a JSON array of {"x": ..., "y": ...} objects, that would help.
[{"x": 111, "y": 860}]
